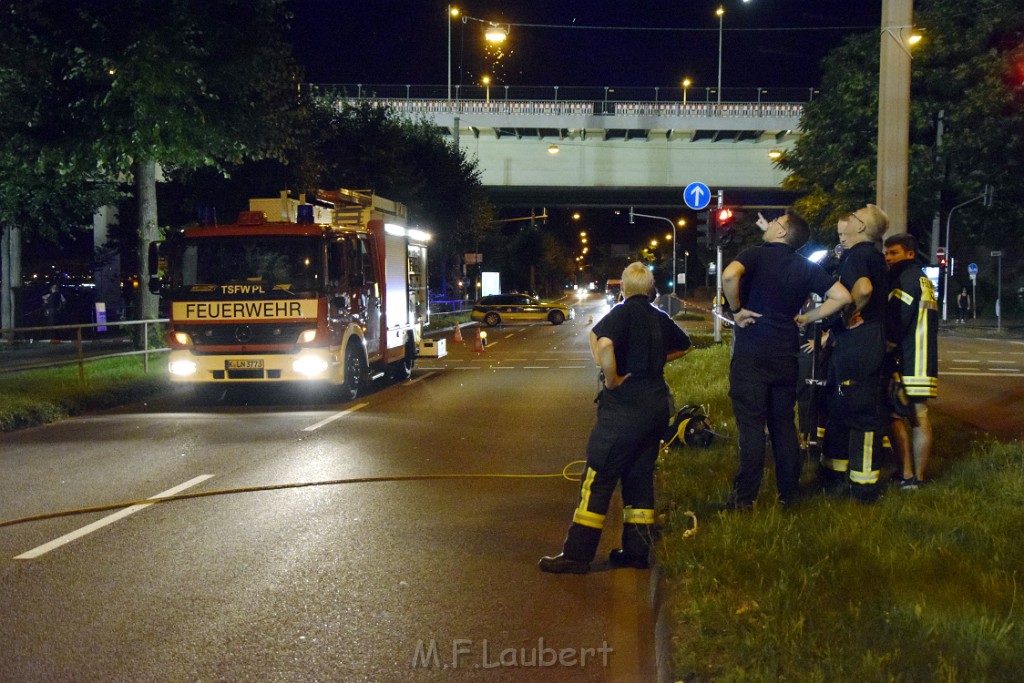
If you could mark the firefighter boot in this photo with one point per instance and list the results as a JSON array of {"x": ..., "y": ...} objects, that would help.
[
  {"x": 635, "y": 552},
  {"x": 577, "y": 552}
]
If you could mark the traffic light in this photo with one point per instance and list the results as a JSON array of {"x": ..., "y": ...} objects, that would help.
[
  {"x": 723, "y": 226},
  {"x": 704, "y": 233},
  {"x": 940, "y": 257}
]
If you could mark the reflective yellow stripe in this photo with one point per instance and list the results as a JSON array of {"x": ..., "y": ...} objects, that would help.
[
  {"x": 591, "y": 519},
  {"x": 886, "y": 443},
  {"x": 902, "y": 296},
  {"x": 637, "y": 516},
  {"x": 583, "y": 515},
  {"x": 821, "y": 432},
  {"x": 866, "y": 475},
  {"x": 835, "y": 465},
  {"x": 927, "y": 387}
]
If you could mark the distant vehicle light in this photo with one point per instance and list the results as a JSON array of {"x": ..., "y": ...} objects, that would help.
[
  {"x": 182, "y": 368},
  {"x": 310, "y": 366}
]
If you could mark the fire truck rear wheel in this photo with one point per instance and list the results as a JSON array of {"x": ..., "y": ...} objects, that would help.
[{"x": 355, "y": 373}]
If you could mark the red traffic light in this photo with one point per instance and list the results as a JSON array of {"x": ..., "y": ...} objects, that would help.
[{"x": 724, "y": 216}]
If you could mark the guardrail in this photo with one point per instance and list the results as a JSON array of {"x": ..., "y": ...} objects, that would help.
[{"x": 33, "y": 348}]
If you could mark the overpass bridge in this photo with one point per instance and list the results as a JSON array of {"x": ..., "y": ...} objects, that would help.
[{"x": 581, "y": 150}]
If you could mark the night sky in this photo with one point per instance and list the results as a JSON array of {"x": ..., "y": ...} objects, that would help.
[{"x": 385, "y": 42}]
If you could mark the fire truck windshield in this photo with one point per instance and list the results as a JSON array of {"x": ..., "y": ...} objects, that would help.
[{"x": 283, "y": 264}]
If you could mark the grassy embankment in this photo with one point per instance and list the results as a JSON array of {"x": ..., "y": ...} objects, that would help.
[{"x": 921, "y": 586}]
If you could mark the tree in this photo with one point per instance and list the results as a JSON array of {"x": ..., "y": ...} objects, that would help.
[
  {"x": 965, "y": 68},
  {"x": 141, "y": 86},
  {"x": 45, "y": 190}
]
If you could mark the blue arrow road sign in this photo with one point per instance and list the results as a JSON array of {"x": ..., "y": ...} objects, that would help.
[
  {"x": 972, "y": 268},
  {"x": 697, "y": 196}
]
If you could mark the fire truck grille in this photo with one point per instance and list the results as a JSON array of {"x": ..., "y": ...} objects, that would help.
[{"x": 222, "y": 335}]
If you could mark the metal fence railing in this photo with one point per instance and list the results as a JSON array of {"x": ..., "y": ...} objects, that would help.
[{"x": 33, "y": 348}]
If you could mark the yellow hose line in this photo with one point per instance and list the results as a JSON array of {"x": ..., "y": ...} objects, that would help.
[{"x": 566, "y": 474}]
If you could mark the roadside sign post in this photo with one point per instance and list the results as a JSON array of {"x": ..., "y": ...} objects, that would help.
[
  {"x": 998, "y": 255},
  {"x": 972, "y": 270}
]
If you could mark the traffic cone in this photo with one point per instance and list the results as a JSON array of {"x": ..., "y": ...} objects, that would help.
[
  {"x": 458, "y": 334},
  {"x": 479, "y": 344}
]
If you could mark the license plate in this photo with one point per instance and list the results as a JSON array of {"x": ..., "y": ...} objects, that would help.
[{"x": 254, "y": 364}]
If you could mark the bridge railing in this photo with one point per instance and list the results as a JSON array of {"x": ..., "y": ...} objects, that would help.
[
  {"x": 487, "y": 104},
  {"x": 603, "y": 98},
  {"x": 638, "y": 109}
]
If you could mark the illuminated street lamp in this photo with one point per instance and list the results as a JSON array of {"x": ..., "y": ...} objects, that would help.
[
  {"x": 487, "y": 85},
  {"x": 686, "y": 84},
  {"x": 721, "y": 13},
  {"x": 493, "y": 33}
]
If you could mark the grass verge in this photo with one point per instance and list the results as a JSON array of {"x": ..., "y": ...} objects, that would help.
[
  {"x": 921, "y": 586},
  {"x": 39, "y": 396}
]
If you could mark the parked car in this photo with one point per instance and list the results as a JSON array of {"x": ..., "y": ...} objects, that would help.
[{"x": 513, "y": 308}]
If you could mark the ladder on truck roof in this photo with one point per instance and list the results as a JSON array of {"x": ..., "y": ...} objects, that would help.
[{"x": 358, "y": 207}]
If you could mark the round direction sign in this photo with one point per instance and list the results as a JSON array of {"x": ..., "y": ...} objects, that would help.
[
  {"x": 972, "y": 268},
  {"x": 697, "y": 196}
]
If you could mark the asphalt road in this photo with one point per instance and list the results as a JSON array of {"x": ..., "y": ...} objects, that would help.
[
  {"x": 426, "y": 579},
  {"x": 981, "y": 381}
]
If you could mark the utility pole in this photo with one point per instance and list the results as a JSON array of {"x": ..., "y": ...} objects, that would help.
[
  {"x": 718, "y": 274},
  {"x": 894, "y": 113},
  {"x": 940, "y": 162}
]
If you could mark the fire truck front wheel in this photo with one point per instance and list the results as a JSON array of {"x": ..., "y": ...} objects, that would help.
[{"x": 355, "y": 372}]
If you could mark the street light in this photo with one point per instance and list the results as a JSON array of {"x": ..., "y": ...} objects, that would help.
[
  {"x": 494, "y": 33},
  {"x": 721, "y": 13},
  {"x": 686, "y": 84},
  {"x": 452, "y": 13},
  {"x": 487, "y": 85}
]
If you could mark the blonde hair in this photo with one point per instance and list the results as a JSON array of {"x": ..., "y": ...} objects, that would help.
[
  {"x": 877, "y": 223},
  {"x": 637, "y": 279}
]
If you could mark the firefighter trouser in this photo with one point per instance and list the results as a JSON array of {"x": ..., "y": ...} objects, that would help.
[
  {"x": 623, "y": 446},
  {"x": 856, "y": 409}
]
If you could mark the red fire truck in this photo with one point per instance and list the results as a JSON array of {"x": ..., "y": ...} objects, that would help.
[{"x": 333, "y": 292}]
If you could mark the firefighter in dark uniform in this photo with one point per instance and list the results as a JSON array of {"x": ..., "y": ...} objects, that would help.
[
  {"x": 912, "y": 327},
  {"x": 631, "y": 345},
  {"x": 857, "y": 418},
  {"x": 765, "y": 288}
]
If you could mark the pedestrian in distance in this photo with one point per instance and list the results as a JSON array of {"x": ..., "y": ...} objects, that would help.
[
  {"x": 963, "y": 304},
  {"x": 857, "y": 419},
  {"x": 765, "y": 289},
  {"x": 912, "y": 330},
  {"x": 631, "y": 345}
]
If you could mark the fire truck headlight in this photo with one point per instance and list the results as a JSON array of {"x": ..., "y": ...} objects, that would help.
[
  {"x": 306, "y": 336},
  {"x": 182, "y": 338},
  {"x": 182, "y": 368},
  {"x": 311, "y": 366}
]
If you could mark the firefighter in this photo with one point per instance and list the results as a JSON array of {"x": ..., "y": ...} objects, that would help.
[
  {"x": 912, "y": 326},
  {"x": 631, "y": 345},
  {"x": 856, "y": 424}
]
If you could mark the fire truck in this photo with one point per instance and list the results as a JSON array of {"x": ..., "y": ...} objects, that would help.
[{"x": 330, "y": 292}]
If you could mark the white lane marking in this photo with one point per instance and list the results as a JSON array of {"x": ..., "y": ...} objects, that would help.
[
  {"x": 502, "y": 367},
  {"x": 109, "y": 519},
  {"x": 572, "y": 367},
  {"x": 964, "y": 360},
  {"x": 466, "y": 367},
  {"x": 1005, "y": 373},
  {"x": 536, "y": 367},
  {"x": 336, "y": 416},
  {"x": 421, "y": 378},
  {"x": 1005, "y": 369},
  {"x": 510, "y": 335},
  {"x": 1004, "y": 362}
]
